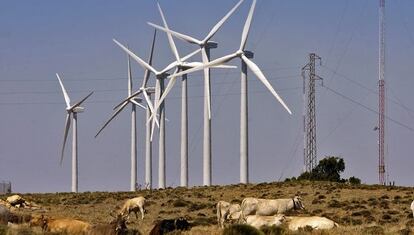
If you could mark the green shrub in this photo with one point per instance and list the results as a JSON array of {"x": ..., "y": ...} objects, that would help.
[
  {"x": 354, "y": 180},
  {"x": 241, "y": 229}
]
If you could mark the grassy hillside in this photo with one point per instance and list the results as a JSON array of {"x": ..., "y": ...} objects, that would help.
[{"x": 360, "y": 209}]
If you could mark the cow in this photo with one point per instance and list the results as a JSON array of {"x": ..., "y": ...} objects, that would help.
[
  {"x": 227, "y": 211},
  {"x": 7, "y": 216},
  {"x": 133, "y": 205},
  {"x": 115, "y": 227},
  {"x": 16, "y": 201},
  {"x": 65, "y": 225},
  {"x": 412, "y": 207},
  {"x": 168, "y": 225},
  {"x": 258, "y": 221},
  {"x": 315, "y": 222},
  {"x": 257, "y": 206}
]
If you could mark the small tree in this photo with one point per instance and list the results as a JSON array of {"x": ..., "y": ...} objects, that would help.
[
  {"x": 328, "y": 169},
  {"x": 354, "y": 180}
]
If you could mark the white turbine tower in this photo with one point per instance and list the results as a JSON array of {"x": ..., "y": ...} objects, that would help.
[
  {"x": 136, "y": 101},
  {"x": 159, "y": 88},
  {"x": 205, "y": 46},
  {"x": 72, "y": 111},
  {"x": 246, "y": 63}
]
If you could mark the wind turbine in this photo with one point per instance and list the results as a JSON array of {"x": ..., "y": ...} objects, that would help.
[
  {"x": 135, "y": 101},
  {"x": 72, "y": 111},
  {"x": 205, "y": 46},
  {"x": 245, "y": 57},
  {"x": 159, "y": 87},
  {"x": 181, "y": 66}
]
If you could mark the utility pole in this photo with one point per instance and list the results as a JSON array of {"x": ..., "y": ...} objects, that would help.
[
  {"x": 381, "y": 88},
  {"x": 309, "y": 112}
]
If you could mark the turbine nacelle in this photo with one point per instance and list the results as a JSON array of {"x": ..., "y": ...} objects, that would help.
[
  {"x": 248, "y": 54},
  {"x": 78, "y": 109},
  {"x": 211, "y": 44}
]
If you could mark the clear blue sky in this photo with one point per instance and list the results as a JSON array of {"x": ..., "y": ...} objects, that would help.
[{"x": 74, "y": 38}]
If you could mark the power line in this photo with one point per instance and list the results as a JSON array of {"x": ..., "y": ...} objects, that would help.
[
  {"x": 116, "y": 90},
  {"x": 368, "y": 108},
  {"x": 170, "y": 97}
]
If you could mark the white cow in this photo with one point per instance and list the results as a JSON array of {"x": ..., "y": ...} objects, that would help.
[
  {"x": 316, "y": 222},
  {"x": 412, "y": 207},
  {"x": 133, "y": 205},
  {"x": 258, "y": 221},
  {"x": 256, "y": 206},
  {"x": 227, "y": 211}
]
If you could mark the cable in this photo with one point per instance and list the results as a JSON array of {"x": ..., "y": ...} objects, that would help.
[
  {"x": 368, "y": 108},
  {"x": 397, "y": 101}
]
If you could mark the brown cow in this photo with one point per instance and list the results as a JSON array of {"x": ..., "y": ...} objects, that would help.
[{"x": 69, "y": 226}]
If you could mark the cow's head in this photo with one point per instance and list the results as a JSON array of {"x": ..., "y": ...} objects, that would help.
[
  {"x": 279, "y": 219},
  {"x": 297, "y": 203},
  {"x": 39, "y": 220},
  {"x": 119, "y": 224}
]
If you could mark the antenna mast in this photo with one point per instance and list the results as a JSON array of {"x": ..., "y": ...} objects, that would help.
[{"x": 381, "y": 87}]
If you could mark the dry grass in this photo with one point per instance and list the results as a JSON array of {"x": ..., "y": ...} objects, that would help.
[{"x": 364, "y": 209}]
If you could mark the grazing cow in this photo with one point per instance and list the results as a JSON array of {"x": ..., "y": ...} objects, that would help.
[
  {"x": 256, "y": 206},
  {"x": 227, "y": 211},
  {"x": 133, "y": 205},
  {"x": 68, "y": 226},
  {"x": 316, "y": 222},
  {"x": 115, "y": 227},
  {"x": 168, "y": 225},
  {"x": 6, "y": 216},
  {"x": 16, "y": 201},
  {"x": 412, "y": 207},
  {"x": 258, "y": 221}
]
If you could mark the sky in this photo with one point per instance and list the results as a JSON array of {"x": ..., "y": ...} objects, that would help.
[{"x": 74, "y": 39}]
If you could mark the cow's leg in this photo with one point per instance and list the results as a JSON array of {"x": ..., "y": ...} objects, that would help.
[
  {"x": 141, "y": 209},
  {"x": 136, "y": 215}
]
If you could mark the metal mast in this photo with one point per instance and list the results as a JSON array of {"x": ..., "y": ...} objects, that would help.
[
  {"x": 381, "y": 103},
  {"x": 309, "y": 113}
]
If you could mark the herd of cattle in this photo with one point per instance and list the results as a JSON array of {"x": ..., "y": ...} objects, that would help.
[
  {"x": 258, "y": 212},
  {"x": 252, "y": 211}
]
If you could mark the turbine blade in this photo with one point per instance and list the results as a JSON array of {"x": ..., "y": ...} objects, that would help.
[
  {"x": 191, "y": 55},
  {"x": 128, "y": 98},
  {"x": 135, "y": 57},
  {"x": 259, "y": 74},
  {"x": 221, "y": 22},
  {"x": 65, "y": 136},
  {"x": 65, "y": 94},
  {"x": 212, "y": 63},
  {"x": 138, "y": 104},
  {"x": 112, "y": 117},
  {"x": 147, "y": 73},
  {"x": 80, "y": 102},
  {"x": 129, "y": 76},
  {"x": 166, "y": 91},
  {"x": 170, "y": 38},
  {"x": 246, "y": 28},
  {"x": 148, "y": 100},
  {"x": 176, "y": 34},
  {"x": 173, "y": 64},
  {"x": 196, "y": 64},
  {"x": 207, "y": 82}
]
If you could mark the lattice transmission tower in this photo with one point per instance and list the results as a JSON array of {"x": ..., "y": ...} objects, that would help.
[
  {"x": 309, "y": 112},
  {"x": 381, "y": 88}
]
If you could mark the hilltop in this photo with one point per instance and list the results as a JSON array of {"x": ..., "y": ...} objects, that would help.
[{"x": 367, "y": 209}]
